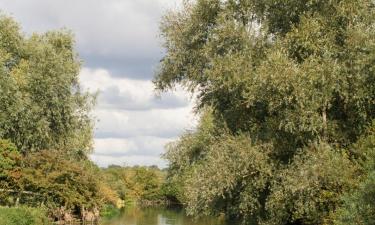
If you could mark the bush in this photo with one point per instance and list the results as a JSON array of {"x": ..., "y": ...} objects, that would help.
[
  {"x": 23, "y": 216},
  {"x": 60, "y": 181}
]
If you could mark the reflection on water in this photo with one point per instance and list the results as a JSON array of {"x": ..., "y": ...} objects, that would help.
[{"x": 160, "y": 216}]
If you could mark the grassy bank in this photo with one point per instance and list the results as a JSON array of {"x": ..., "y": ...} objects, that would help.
[{"x": 22, "y": 216}]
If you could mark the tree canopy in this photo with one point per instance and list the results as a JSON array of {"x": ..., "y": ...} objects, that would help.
[
  {"x": 42, "y": 105},
  {"x": 289, "y": 87}
]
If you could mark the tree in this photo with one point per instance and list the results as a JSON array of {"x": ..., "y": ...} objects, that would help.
[
  {"x": 136, "y": 184},
  {"x": 46, "y": 119},
  {"x": 290, "y": 75},
  {"x": 42, "y": 106}
]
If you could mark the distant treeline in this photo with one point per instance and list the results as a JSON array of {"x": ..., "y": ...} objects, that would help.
[{"x": 142, "y": 185}]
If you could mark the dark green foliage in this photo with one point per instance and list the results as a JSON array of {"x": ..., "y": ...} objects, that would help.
[
  {"x": 364, "y": 150},
  {"x": 359, "y": 206}
]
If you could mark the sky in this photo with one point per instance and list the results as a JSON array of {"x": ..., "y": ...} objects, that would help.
[{"x": 120, "y": 45}]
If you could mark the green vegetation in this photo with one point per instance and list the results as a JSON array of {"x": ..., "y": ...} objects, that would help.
[
  {"x": 109, "y": 212},
  {"x": 286, "y": 98},
  {"x": 286, "y": 95},
  {"x": 42, "y": 104},
  {"x": 137, "y": 185},
  {"x": 359, "y": 205},
  {"x": 45, "y": 126},
  {"x": 23, "y": 216}
]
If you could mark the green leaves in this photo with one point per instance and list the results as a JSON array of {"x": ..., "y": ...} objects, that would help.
[
  {"x": 230, "y": 179},
  {"x": 359, "y": 206},
  {"x": 296, "y": 76},
  {"x": 42, "y": 106},
  {"x": 9, "y": 158},
  {"x": 309, "y": 189},
  {"x": 58, "y": 181},
  {"x": 144, "y": 185}
]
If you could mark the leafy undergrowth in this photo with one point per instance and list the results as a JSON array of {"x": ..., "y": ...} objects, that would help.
[{"x": 23, "y": 216}]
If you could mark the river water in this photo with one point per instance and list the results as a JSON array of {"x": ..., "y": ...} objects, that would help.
[{"x": 160, "y": 216}]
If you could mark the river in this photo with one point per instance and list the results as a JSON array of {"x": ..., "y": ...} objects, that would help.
[{"x": 160, "y": 216}]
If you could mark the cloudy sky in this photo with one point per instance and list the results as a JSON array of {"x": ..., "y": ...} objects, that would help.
[{"x": 119, "y": 43}]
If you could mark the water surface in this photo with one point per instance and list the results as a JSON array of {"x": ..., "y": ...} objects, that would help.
[{"x": 160, "y": 216}]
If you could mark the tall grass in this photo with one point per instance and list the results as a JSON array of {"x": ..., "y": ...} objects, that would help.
[{"x": 23, "y": 216}]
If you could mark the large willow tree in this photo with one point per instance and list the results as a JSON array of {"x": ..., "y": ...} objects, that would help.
[{"x": 286, "y": 89}]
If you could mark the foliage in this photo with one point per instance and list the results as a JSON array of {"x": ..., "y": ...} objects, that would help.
[
  {"x": 42, "y": 106},
  {"x": 136, "y": 184},
  {"x": 243, "y": 171},
  {"x": 109, "y": 211},
  {"x": 46, "y": 125},
  {"x": 23, "y": 216},
  {"x": 359, "y": 206},
  {"x": 289, "y": 87},
  {"x": 58, "y": 181},
  {"x": 9, "y": 157},
  {"x": 309, "y": 189},
  {"x": 185, "y": 155},
  {"x": 54, "y": 180},
  {"x": 10, "y": 166},
  {"x": 364, "y": 150}
]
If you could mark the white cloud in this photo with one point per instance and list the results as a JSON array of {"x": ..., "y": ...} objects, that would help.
[
  {"x": 134, "y": 146},
  {"x": 133, "y": 126},
  {"x": 162, "y": 123},
  {"x": 129, "y": 94}
]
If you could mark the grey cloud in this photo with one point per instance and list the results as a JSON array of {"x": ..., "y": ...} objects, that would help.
[
  {"x": 167, "y": 131},
  {"x": 113, "y": 98},
  {"x": 118, "y": 35},
  {"x": 135, "y": 68}
]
